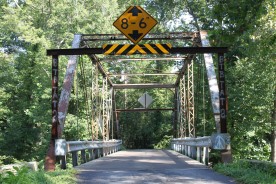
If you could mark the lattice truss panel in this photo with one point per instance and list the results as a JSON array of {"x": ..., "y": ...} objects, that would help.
[
  {"x": 102, "y": 118},
  {"x": 182, "y": 107},
  {"x": 95, "y": 112},
  {"x": 106, "y": 109},
  {"x": 190, "y": 100},
  {"x": 185, "y": 107},
  {"x": 103, "y": 111}
]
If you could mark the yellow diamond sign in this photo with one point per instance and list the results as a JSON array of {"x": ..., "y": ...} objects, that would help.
[{"x": 135, "y": 23}]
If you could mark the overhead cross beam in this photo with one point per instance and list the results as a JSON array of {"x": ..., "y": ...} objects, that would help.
[
  {"x": 144, "y": 110},
  {"x": 142, "y": 86},
  {"x": 174, "y": 50},
  {"x": 149, "y": 36},
  {"x": 144, "y": 74}
]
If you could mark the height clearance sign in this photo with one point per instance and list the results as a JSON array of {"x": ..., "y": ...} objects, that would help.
[{"x": 135, "y": 23}]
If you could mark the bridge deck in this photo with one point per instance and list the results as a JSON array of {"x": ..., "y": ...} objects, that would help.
[{"x": 148, "y": 166}]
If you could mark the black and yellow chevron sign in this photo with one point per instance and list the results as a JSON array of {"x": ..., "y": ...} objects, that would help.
[{"x": 129, "y": 49}]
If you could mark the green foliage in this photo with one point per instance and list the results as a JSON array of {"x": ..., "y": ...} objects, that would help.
[
  {"x": 25, "y": 72},
  {"x": 164, "y": 143},
  {"x": 249, "y": 172},
  {"x": 246, "y": 27},
  {"x": 4, "y": 160},
  {"x": 25, "y": 176},
  {"x": 252, "y": 81}
]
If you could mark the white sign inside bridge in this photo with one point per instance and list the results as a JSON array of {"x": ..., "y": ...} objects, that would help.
[
  {"x": 145, "y": 100},
  {"x": 220, "y": 141}
]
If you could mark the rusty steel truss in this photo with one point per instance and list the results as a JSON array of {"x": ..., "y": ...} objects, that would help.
[{"x": 105, "y": 116}]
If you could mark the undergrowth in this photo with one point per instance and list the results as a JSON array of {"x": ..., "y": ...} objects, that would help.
[
  {"x": 246, "y": 172},
  {"x": 26, "y": 176}
]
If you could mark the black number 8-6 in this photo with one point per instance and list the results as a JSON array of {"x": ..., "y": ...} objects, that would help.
[{"x": 124, "y": 24}]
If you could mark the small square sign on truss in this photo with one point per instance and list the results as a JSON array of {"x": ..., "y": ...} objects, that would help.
[
  {"x": 135, "y": 23},
  {"x": 145, "y": 100},
  {"x": 220, "y": 141}
]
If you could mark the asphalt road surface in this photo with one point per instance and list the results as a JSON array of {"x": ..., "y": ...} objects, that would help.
[{"x": 148, "y": 166}]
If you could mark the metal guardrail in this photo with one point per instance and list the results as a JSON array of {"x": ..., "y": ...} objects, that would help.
[
  {"x": 89, "y": 150},
  {"x": 198, "y": 142},
  {"x": 196, "y": 148}
]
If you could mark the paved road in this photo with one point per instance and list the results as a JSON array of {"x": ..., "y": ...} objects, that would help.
[{"x": 148, "y": 166}]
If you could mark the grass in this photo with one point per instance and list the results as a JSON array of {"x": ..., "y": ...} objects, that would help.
[
  {"x": 26, "y": 176},
  {"x": 248, "y": 172}
]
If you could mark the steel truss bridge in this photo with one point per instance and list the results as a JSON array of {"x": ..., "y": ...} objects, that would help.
[{"x": 183, "y": 48}]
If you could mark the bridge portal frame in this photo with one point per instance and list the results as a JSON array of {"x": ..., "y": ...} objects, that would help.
[{"x": 58, "y": 123}]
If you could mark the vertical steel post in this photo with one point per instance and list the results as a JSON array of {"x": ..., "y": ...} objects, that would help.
[
  {"x": 175, "y": 114},
  {"x": 114, "y": 119},
  {"x": 191, "y": 116},
  {"x": 110, "y": 106},
  {"x": 226, "y": 155},
  {"x": 95, "y": 103},
  {"x": 105, "y": 110},
  {"x": 50, "y": 157},
  {"x": 222, "y": 93},
  {"x": 179, "y": 122},
  {"x": 183, "y": 108}
]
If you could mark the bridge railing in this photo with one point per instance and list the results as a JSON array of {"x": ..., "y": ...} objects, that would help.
[
  {"x": 196, "y": 148},
  {"x": 89, "y": 150}
]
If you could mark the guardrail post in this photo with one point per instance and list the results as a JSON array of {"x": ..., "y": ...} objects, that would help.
[
  {"x": 205, "y": 155},
  {"x": 83, "y": 156},
  {"x": 62, "y": 162},
  {"x": 95, "y": 154},
  {"x": 100, "y": 150},
  {"x": 75, "y": 158},
  {"x": 90, "y": 153},
  {"x": 185, "y": 150},
  {"x": 105, "y": 151},
  {"x": 193, "y": 152},
  {"x": 198, "y": 153}
]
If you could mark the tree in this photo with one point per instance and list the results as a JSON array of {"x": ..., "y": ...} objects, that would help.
[{"x": 26, "y": 70}]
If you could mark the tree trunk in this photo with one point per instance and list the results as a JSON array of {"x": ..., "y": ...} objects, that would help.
[{"x": 273, "y": 131}]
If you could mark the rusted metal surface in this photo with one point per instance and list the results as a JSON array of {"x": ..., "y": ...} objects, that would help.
[
  {"x": 183, "y": 86},
  {"x": 67, "y": 85},
  {"x": 145, "y": 74},
  {"x": 175, "y": 114},
  {"x": 55, "y": 121},
  {"x": 222, "y": 93},
  {"x": 182, "y": 107},
  {"x": 144, "y": 110},
  {"x": 100, "y": 68},
  {"x": 174, "y": 50},
  {"x": 212, "y": 80},
  {"x": 150, "y": 36},
  {"x": 105, "y": 110},
  {"x": 164, "y": 58},
  {"x": 142, "y": 86},
  {"x": 95, "y": 102},
  {"x": 190, "y": 100},
  {"x": 184, "y": 68},
  {"x": 50, "y": 159}
]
